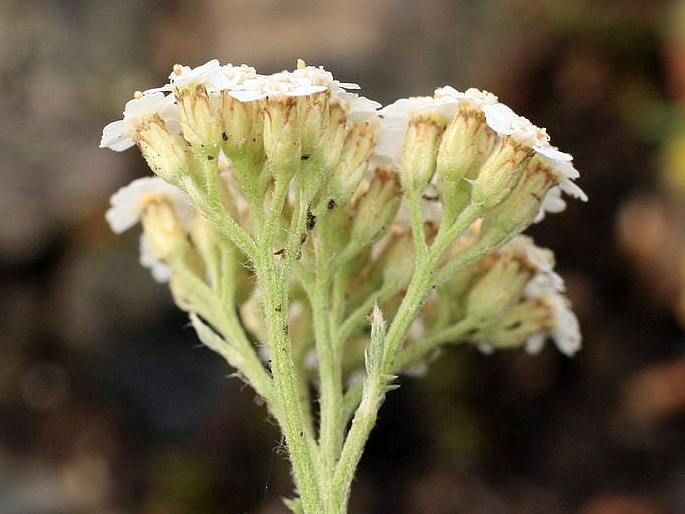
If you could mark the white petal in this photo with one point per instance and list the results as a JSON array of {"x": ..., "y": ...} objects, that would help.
[
  {"x": 246, "y": 95},
  {"x": 553, "y": 153},
  {"x": 571, "y": 189},
  {"x": 472, "y": 98},
  {"x": 116, "y": 136},
  {"x": 500, "y": 118},
  {"x": 552, "y": 203}
]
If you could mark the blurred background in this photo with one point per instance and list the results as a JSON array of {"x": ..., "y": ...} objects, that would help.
[{"x": 108, "y": 404}]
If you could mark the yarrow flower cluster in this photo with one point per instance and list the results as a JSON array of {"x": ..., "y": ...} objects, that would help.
[{"x": 323, "y": 243}]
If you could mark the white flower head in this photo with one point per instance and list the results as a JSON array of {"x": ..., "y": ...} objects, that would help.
[
  {"x": 129, "y": 202},
  {"x": 402, "y": 110},
  {"x": 506, "y": 122},
  {"x": 210, "y": 74},
  {"x": 358, "y": 108},
  {"x": 472, "y": 99},
  {"x": 544, "y": 283},
  {"x": 214, "y": 76},
  {"x": 545, "y": 280},
  {"x": 317, "y": 75},
  {"x": 275, "y": 86},
  {"x": 558, "y": 164},
  {"x": 566, "y": 331},
  {"x": 236, "y": 75},
  {"x": 547, "y": 287},
  {"x": 396, "y": 116},
  {"x": 118, "y": 135}
]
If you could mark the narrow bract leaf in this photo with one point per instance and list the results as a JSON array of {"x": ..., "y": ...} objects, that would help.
[
  {"x": 375, "y": 352},
  {"x": 215, "y": 342}
]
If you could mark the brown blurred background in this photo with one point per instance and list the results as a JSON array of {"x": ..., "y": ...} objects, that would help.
[{"x": 109, "y": 405}]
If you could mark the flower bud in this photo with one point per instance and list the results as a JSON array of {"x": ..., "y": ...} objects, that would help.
[
  {"x": 520, "y": 208},
  {"x": 465, "y": 145},
  {"x": 327, "y": 184},
  {"x": 165, "y": 232},
  {"x": 282, "y": 144},
  {"x": 523, "y": 321},
  {"x": 242, "y": 131},
  {"x": 417, "y": 160},
  {"x": 498, "y": 288},
  {"x": 166, "y": 154},
  {"x": 375, "y": 208},
  {"x": 352, "y": 165},
  {"x": 500, "y": 173},
  {"x": 313, "y": 112},
  {"x": 334, "y": 136},
  {"x": 198, "y": 122},
  {"x": 464, "y": 148}
]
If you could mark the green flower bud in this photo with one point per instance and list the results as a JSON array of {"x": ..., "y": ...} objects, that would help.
[
  {"x": 165, "y": 233},
  {"x": 417, "y": 160},
  {"x": 520, "y": 323},
  {"x": 352, "y": 165},
  {"x": 464, "y": 148},
  {"x": 242, "y": 131},
  {"x": 498, "y": 288},
  {"x": 334, "y": 136},
  {"x": 199, "y": 125},
  {"x": 166, "y": 154},
  {"x": 313, "y": 112},
  {"x": 500, "y": 173},
  {"x": 375, "y": 208},
  {"x": 521, "y": 207},
  {"x": 282, "y": 144},
  {"x": 325, "y": 184},
  {"x": 465, "y": 145}
]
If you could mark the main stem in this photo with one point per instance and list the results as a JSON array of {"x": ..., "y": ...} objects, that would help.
[
  {"x": 297, "y": 435},
  {"x": 273, "y": 272}
]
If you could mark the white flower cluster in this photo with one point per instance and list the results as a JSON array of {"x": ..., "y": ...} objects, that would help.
[
  {"x": 501, "y": 119},
  {"x": 488, "y": 125},
  {"x": 242, "y": 83}
]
